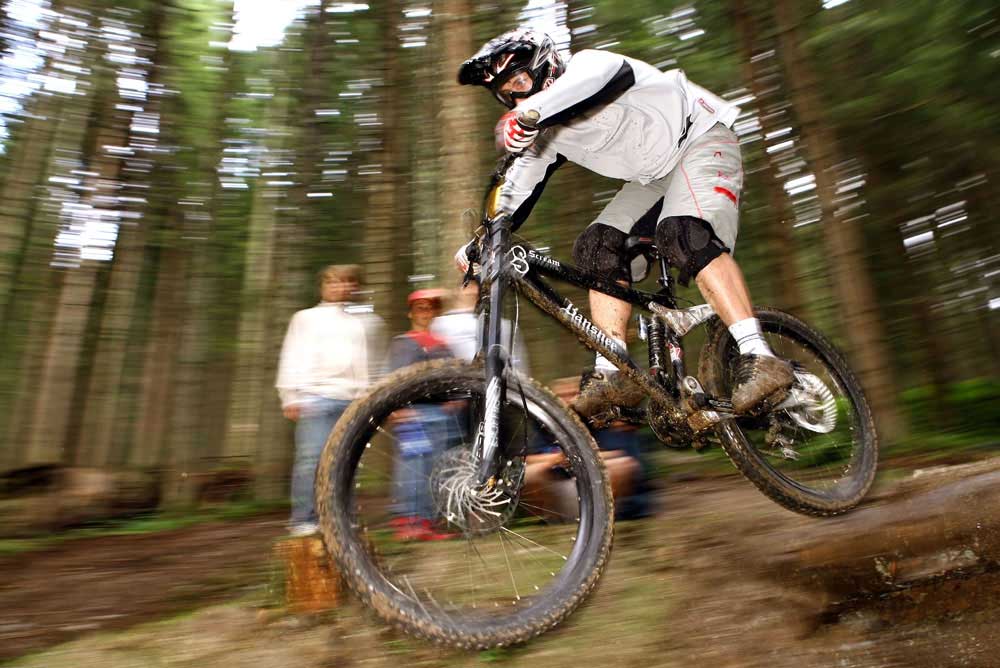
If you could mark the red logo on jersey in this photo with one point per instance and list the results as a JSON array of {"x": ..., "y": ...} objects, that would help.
[{"x": 708, "y": 108}]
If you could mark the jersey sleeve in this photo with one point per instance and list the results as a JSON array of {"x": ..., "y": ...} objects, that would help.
[
  {"x": 526, "y": 180},
  {"x": 592, "y": 78}
]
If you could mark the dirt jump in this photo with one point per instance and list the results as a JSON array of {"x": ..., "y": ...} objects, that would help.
[{"x": 720, "y": 576}]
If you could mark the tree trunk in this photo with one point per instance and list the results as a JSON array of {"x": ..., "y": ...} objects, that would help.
[
  {"x": 250, "y": 384},
  {"x": 461, "y": 180},
  {"x": 149, "y": 439},
  {"x": 57, "y": 383},
  {"x": 200, "y": 381},
  {"x": 26, "y": 170},
  {"x": 779, "y": 230},
  {"x": 388, "y": 201},
  {"x": 102, "y": 416},
  {"x": 26, "y": 309},
  {"x": 852, "y": 283}
]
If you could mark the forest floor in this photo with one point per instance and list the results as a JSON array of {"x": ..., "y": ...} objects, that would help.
[{"x": 720, "y": 576}]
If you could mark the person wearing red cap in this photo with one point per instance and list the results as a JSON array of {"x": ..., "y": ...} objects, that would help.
[
  {"x": 423, "y": 430},
  {"x": 419, "y": 344}
]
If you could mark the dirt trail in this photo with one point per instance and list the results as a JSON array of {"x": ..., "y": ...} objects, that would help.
[
  {"x": 720, "y": 577},
  {"x": 115, "y": 582}
]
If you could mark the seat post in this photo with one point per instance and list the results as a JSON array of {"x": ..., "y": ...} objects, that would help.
[{"x": 666, "y": 279}]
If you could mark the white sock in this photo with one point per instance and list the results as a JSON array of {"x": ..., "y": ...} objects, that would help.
[
  {"x": 601, "y": 363},
  {"x": 749, "y": 337}
]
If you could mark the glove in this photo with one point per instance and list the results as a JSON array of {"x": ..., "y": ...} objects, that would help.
[
  {"x": 514, "y": 136},
  {"x": 468, "y": 254}
]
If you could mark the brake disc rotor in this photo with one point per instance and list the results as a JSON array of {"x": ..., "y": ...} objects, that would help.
[
  {"x": 458, "y": 499},
  {"x": 810, "y": 404}
]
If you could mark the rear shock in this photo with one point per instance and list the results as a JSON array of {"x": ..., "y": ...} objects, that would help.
[{"x": 651, "y": 330}]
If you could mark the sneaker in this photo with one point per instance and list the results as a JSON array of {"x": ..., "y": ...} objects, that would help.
[
  {"x": 600, "y": 390},
  {"x": 303, "y": 529},
  {"x": 406, "y": 528},
  {"x": 760, "y": 379},
  {"x": 428, "y": 532}
]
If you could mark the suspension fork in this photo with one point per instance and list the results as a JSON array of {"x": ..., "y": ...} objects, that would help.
[{"x": 497, "y": 357}]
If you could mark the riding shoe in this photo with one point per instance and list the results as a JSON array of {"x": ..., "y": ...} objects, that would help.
[
  {"x": 600, "y": 390},
  {"x": 760, "y": 380}
]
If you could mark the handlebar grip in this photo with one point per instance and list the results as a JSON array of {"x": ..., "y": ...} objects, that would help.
[{"x": 528, "y": 118}]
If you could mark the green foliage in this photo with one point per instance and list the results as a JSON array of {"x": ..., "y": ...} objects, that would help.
[{"x": 972, "y": 407}]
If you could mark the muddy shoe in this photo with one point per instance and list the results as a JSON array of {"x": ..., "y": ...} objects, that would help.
[
  {"x": 760, "y": 379},
  {"x": 600, "y": 390}
]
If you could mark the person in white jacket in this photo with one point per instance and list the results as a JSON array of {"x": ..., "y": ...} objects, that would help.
[
  {"x": 671, "y": 142},
  {"x": 326, "y": 361}
]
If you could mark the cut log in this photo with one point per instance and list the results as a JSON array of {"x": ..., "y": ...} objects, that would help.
[{"x": 312, "y": 585}]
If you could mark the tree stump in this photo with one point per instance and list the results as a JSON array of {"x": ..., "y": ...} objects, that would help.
[{"x": 312, "y": 584}]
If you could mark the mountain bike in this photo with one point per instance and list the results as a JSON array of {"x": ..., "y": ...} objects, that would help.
[{"x": 502, "y": 562}]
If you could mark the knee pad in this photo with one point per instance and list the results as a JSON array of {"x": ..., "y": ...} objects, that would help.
[
  {"x": 600, "y": 249},
  {"x": 689, "y": 244}
]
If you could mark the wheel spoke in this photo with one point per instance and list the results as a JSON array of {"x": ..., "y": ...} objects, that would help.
[
  {"x": 822, "y": 469},
  {"x": 449, "y": 552}
]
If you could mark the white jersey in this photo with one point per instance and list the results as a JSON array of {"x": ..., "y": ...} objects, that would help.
[{"x": 615, "y": 115}]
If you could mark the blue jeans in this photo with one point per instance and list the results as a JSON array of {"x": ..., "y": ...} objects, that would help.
[
  {"x": 316, "y": 421},
  {"x": 419, "y": 442},
  {"x": 640, "y": 503}
]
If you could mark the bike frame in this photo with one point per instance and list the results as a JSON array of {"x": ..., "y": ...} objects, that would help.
[{"x": 519, "y": 266}]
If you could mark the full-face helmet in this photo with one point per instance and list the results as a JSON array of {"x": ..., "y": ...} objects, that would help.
[{"x": 503, "y": 57}]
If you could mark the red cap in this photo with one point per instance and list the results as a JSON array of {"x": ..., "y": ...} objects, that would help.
[{"x": 430, "y": 294}]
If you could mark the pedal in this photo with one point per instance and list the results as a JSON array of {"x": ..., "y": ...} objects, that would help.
[{"x": 701, "y": 420}]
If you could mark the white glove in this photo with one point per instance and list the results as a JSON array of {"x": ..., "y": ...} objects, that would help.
[
  {"x": 516, "y": 137},
  {"x": 462, "y": 260}
]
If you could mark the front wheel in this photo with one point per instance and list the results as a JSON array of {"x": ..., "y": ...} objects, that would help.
[
  {"x": 431, "y": 553},
  {"x": 816, "y": 453}
]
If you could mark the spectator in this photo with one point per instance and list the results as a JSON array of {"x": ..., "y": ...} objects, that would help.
[
  {"x": 324, "y": 365},
  {"x": 621, "y": 454},
  {"x": 462, "y": 329},
  {"x": 419, "y": 344},
  {"x": 423, "y": 431}
]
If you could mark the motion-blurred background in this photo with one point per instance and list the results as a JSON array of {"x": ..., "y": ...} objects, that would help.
[{"x": 175, "y": 172}]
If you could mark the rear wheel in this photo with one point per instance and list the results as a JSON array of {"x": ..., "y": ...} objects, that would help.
[
  {"x": 416, "y": 541},
  {"x": 817, "y": 452}
]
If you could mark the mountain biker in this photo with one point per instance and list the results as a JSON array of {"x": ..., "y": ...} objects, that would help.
[{"x": 671, "y": 142}]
